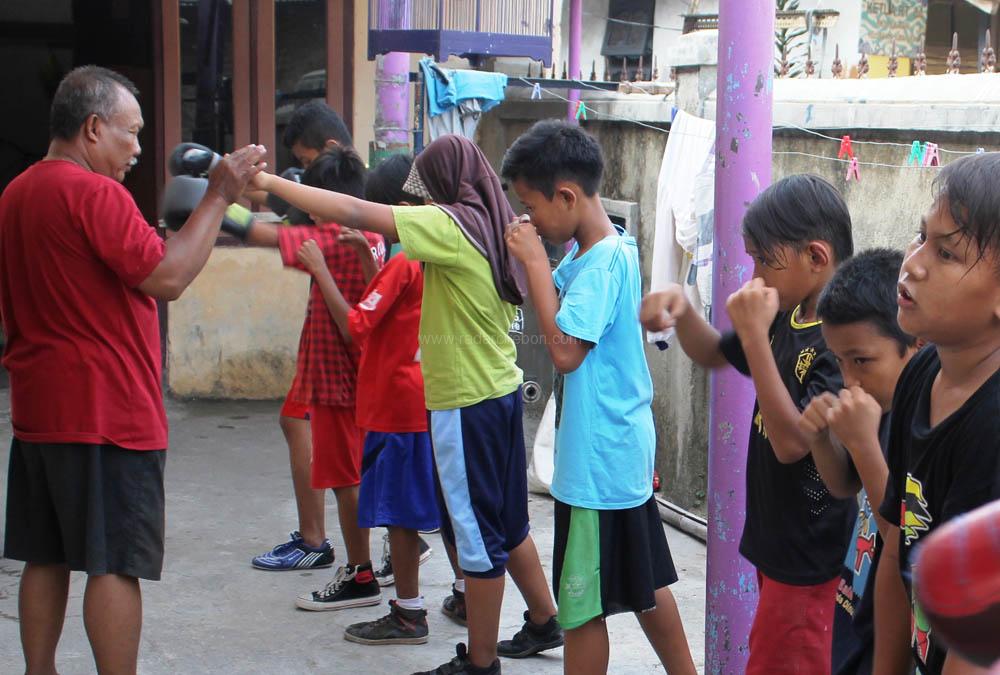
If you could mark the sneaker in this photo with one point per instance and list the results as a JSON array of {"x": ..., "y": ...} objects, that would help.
[
  {"x": 453, "y": 607},
  {"x": 384, "y": 573},
  {"x": 351, "y": 587},
  {"x": 295, "y": 554},
  {"x": 398, "y": 627},
  {"x": 532, "y": 639},
  {"x": 460, "y": 665}
]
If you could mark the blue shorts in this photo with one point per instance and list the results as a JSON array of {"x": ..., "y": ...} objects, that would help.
[
  {"x": 483, "y": 481},
  {"x": 397, "y": 482}
]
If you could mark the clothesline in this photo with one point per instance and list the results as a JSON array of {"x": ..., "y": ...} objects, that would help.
[{"x": 585, "y": 109}]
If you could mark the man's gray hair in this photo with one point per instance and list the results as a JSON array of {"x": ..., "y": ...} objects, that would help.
[{"x": 86, "y": 91}]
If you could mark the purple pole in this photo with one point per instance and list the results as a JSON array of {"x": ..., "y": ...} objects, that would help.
[
  {"x": 392, "y": 88},
  {"x": 743, "y": 169},
  {"x": 575, "y": 39}
]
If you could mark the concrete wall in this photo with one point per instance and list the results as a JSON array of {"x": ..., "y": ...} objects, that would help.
[{"x": 235, "y": 331}]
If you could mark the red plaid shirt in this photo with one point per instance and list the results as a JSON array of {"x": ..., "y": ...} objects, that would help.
[{"x": 327, "y": 367}]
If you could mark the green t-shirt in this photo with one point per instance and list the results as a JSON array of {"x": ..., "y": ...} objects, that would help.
[{"x": 466, "y": 352}]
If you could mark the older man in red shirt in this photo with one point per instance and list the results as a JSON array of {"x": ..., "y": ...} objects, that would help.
[{"x": 80, "y": 273}]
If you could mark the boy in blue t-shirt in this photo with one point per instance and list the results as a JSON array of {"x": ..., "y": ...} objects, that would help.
[{"x": 611, "y": 554}]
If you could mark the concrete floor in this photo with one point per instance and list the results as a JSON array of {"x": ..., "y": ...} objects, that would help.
[{"x": 228, "y": 498}]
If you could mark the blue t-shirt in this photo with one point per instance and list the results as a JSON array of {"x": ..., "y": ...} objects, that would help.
[{"x": 605, "y": 440}]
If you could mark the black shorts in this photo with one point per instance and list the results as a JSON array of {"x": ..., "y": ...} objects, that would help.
[
  {"x": 608, "y": 562},
  {"x": 96, "y": 508}
]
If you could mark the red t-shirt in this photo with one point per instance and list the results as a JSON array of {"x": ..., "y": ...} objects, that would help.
[
  {"x": 83, "y": 344},
  {"x": 327, "y": 367},
  {"x": 386, "y": 324}
]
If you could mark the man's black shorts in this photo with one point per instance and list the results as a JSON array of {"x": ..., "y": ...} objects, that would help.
[{"x": 96, "y": 508}]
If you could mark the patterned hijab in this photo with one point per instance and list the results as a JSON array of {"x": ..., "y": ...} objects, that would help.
[{"x": 453, "y": 173}]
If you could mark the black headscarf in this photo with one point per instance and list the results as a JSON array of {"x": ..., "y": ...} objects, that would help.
[{"x": 462, "y": 183}]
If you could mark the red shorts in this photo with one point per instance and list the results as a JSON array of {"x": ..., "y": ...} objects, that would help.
[
  {"x": 337, "y": 447},
  {"x": 792, "y": 631},
  {"x": 295, "y": 410}
]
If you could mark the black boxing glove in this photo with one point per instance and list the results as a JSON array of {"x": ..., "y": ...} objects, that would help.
[
  {"x": 183, "y": 194},
  {"x": 276, "y": 203},
  {"x": 192, "y": 159}
]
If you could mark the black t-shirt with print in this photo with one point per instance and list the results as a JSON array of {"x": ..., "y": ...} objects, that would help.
[
  {"x": 936, "y": 474},
  {"x": 854, "y": 616},
  {"x": 795, "y": 531}
]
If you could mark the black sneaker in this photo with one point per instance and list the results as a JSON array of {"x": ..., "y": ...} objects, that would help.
[
  {"x": 351, "y": 587},
  {"x": 384, "y": 573},
  {"x": 460, "y": 665},
  {"x": 398, "y": 627},
  {"x": 453, "y": 606},
  {"x": 532, "y": 639}
]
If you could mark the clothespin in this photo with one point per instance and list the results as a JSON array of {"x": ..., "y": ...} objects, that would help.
[
  {"x": 581, "y": 110},
  {"x": 536, "y": 91},
  {"x": 853, "y": 170},
  {"x": 931, "y": 156},
  {"x": 916, "y": 157},
  {"x": 845, "y": 148},
  {"x": 980, "y": 151}
]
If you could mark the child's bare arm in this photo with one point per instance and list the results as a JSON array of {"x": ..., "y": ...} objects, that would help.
[
  {"x": 854, "y": 418},
  {"x": 892, "y": 612},
  {"x": 669, "y": 308},
  {"x": 314, "y": 261},
  {"x": 567, "y": 352},
  {"x": 752, "y": 310},
  {"x": 956, "y": 665},
  {"x": 331, "y": 206},
  {"x": 366, "y": 255},
  {"x": 830, "y": 457}
]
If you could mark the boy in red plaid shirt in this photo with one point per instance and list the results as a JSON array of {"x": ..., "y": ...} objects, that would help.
[{"x": 326, "y": 374}]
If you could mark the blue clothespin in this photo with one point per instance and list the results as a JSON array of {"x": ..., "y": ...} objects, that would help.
[
  {"x": 581, "y": 110},
  {"x": 916, "y": 157},
  {"x": 536, "y": 91}
]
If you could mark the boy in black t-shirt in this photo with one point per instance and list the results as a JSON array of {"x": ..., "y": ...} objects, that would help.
[
  {"x": 797, "y": 232},
  {"x": 848, "y": 432},
  {"x": 944, "y": 438}
]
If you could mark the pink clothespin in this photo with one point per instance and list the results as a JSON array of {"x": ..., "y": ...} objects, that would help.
[
  {"x": 845, "y": 148},
  {"x": 931, "y": 156},
  {"x": 853, "y": 170},
  {"x": 536, "y": 91}
]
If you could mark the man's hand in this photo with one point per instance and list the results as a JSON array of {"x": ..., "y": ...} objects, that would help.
[
  {"x": 235, "y": 171},
  {"x": 752, "y": 309},
  {"x": 523, "y": 242},
  {"x": 311, "y": 257},
  {"x": 814, "y": 422},
  {"x": 854, "y": 417},
  {"x": 353, "y": 238},
  {"x": 660, "y": 311}
]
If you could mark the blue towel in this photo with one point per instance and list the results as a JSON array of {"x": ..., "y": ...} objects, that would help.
[{"x": 446, "y": 87}]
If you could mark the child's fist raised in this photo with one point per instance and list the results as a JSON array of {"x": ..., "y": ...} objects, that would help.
[
  {"x": 311, "y": 257},
  {"x": 523, "y": 241},
  {"x": 854, "y": 417},
  {"x": 814, "y": 420},
  {"x": 752, "y": 309},
  {"x": 661, "y": 309}
]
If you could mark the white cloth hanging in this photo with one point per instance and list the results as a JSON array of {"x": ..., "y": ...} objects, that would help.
[{"x": 685, "y": 197}]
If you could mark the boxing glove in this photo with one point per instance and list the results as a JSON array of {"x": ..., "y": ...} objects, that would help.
[
  {"x": 276, "y": 203},
  {"x": 192, "y": 159},
  {"x": 184, "y": 193},
  {"x": 956, "y": 580}
]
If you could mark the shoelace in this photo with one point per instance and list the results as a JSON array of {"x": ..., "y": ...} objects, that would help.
[{"x": 339, "y": 579}]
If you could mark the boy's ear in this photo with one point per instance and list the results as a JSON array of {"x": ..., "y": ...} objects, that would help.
[
  {"x": 330, "y": 144},
  {"x": 566, "y": 195},
  {"x": 820, "y": 254}
]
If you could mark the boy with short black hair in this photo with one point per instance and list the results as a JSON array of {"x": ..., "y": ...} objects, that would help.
[
  {"x": 848, "y": 432},
  {"x": 797, "y": 231},
  {"x": 944, "y": 453},
  {"x": 611, "y": 554}
]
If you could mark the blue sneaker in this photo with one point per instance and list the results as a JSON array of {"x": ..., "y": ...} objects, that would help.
[{"x": 295, "y": 554}]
